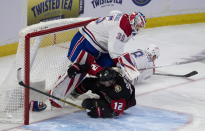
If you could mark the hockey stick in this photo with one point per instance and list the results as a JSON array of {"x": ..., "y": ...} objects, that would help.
[
  {"x": 186, "y": 75},
  {"x": 174, "y": 64},
  {"x": 41, "y": 92}
]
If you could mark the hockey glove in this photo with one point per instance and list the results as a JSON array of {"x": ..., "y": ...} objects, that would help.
[
  {"x": 77, "y": 68},
  {"x": 97, "y": 108}
]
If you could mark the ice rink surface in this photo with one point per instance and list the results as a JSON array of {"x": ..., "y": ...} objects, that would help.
[{"x": 165, "y": 103}]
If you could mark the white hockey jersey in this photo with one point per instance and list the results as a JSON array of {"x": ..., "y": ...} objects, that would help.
[
  {"x": 109, "y": 34},
  {"x": 137, "y": 65}
]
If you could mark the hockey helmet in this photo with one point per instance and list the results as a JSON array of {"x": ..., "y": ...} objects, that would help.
[
  {"x": 153, "y": 50},
  {"x": 107, "y": 74},
  {"x": 137, "y": 20}
]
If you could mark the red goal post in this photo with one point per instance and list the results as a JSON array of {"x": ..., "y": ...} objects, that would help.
[{"x": 34, "y": 31}]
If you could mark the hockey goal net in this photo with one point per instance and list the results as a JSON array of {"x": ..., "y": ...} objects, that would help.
[{"x": 42, "y": 55}]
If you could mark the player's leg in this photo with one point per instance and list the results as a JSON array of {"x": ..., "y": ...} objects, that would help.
[
  {"x": 79, "y": 43},
  {"x": 76, "y": 45}
]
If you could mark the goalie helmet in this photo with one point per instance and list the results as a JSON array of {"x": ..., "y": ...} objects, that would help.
[
  {"x": 153, "y": 50},
  {"x": 137, "y": 20}
]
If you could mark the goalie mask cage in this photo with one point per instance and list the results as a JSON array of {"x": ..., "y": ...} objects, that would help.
[{"x": 42, "y": 55}]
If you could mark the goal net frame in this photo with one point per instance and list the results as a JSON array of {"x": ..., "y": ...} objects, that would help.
[{"x": 34, "y": 31}]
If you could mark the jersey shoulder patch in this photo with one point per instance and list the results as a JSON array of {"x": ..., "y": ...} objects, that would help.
[{"x": 125, "y": 25}]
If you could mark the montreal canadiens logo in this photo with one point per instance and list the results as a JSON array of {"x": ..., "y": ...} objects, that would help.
[{"x": 141, "y": 2}]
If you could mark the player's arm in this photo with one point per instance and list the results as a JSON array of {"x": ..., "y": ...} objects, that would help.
[{"x": 127, "y": 66}]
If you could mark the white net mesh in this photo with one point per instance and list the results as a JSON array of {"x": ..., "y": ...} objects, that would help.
[{"x": 48, "y": 60}]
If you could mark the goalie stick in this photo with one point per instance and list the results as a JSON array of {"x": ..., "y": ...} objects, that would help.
[
  {"x": 175, "y": 75},
  {"x": 44, "y": 93}
]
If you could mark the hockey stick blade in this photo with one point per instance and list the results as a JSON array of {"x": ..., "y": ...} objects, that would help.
[
  {"x": 191, "y": 74},
  {"x": 44, "y": 93},
  {"x": 174, "y": 75}
]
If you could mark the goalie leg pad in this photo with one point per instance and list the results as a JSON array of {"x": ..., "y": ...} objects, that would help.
[
  {"x": 55, "y": 104},
  {"x": 65, "y": 85}
]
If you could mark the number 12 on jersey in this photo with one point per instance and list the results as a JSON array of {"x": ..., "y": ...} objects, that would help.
[{"x": 118, "y": 106}]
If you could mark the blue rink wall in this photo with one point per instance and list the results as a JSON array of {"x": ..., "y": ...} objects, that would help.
[{"x": 138, "y": 118}]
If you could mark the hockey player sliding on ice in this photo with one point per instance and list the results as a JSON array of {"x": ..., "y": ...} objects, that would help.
[{"x": 116, "y": 94}]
